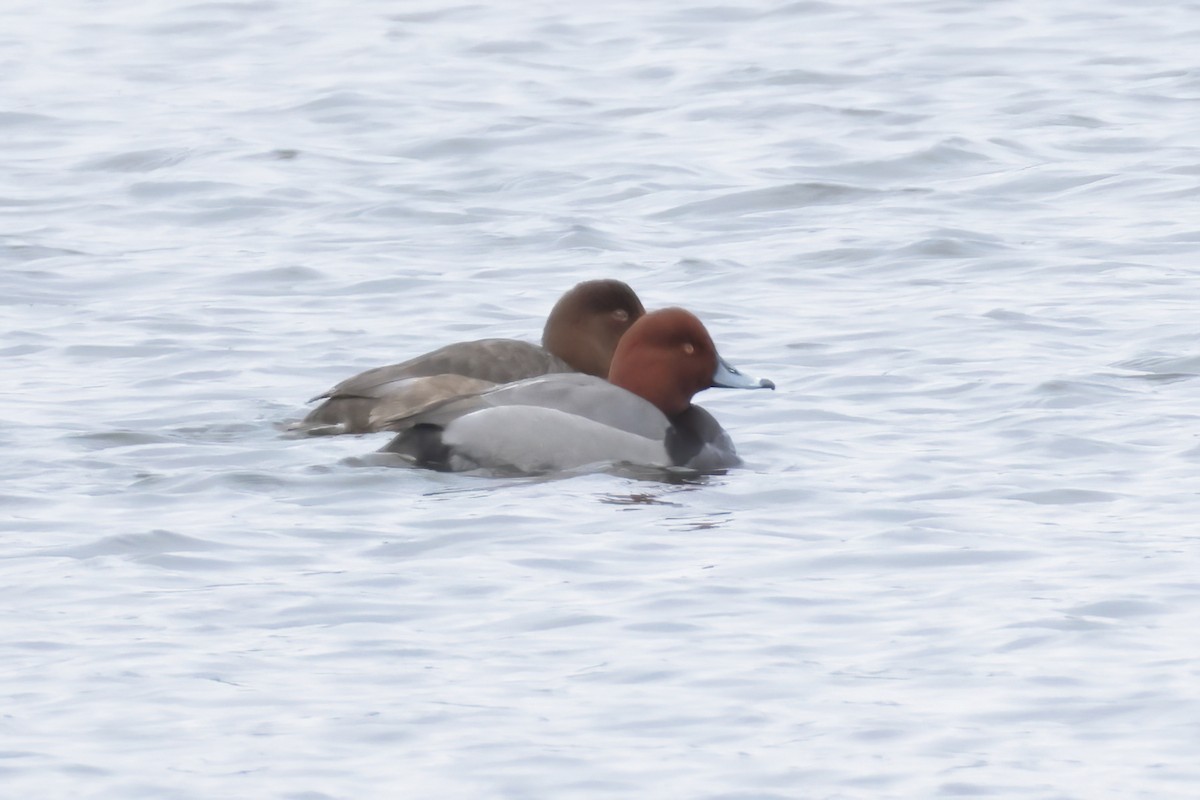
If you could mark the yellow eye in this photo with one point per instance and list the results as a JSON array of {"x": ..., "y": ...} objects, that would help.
[
  {"x": 689, "y": 348},
  {"x": 621, "y": 315}
]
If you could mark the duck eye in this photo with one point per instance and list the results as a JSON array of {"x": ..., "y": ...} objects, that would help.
[
  {"x": 621, "y": 315},
  {"x": 689, "y": 348}
]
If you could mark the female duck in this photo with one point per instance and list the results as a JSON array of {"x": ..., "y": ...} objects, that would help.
[
  {"x": 581, "y": 334},
  {"x": 642, "y": 415}
]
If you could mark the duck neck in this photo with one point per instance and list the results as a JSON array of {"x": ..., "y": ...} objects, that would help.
[{"x": 652, "y": 383}]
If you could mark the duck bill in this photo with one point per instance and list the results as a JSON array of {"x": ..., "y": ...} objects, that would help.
[{"x": 728, "y": 377}]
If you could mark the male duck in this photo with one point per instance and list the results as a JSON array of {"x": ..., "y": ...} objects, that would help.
[{"x": 642, "y": 415}]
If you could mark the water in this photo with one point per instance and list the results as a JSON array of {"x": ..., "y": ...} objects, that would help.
[{"x": 962, "y": 556}]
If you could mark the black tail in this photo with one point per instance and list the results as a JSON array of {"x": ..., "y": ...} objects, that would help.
[{"x": 423, "y": 444}]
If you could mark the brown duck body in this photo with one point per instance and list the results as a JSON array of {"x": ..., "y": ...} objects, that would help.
[{"x": 580, "y": 335}]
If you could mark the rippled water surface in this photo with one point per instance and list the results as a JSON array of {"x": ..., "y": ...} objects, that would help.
[{"x": 962, "y": 557}]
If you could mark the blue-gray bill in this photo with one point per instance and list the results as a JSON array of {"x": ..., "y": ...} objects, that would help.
[{"x": 728, "y": 377}]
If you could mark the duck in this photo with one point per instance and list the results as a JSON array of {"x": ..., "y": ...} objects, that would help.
[
  {"x": 641, "y": 415},
  {"x": 580, "y": 335}
]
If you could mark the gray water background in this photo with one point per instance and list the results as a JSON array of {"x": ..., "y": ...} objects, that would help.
[{"x": 962, "y": 558}]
